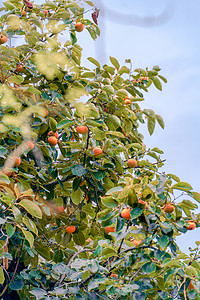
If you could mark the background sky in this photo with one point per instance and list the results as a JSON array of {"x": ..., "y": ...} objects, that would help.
[{"x": 170, "y": 40}]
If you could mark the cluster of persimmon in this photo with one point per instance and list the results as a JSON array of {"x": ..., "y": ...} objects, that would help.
[{"x": 53, "y": 138}]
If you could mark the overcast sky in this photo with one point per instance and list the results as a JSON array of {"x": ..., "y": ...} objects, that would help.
[{"x": 170, "y": 40}]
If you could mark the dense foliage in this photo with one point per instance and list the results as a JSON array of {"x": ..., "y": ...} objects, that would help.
[{"x": 85, "y": 211}]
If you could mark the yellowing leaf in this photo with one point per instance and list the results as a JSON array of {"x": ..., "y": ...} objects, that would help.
[
  {"x": 182, "y": 186},
  {"x": 31, "y": 208},
  {"x": 29, "y": 237},
  {"x": 2, "y": 278}
]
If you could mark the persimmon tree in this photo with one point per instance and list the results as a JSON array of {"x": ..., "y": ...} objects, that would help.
[{"x": 86, "y": 210}]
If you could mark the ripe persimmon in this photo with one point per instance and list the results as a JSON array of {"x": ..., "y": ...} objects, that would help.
[
  {"x": 109, "y": 229},
  {"x": 113, "y": 275},
  {"x": 3, "y": 39},
  {"x": 17, "y": 161},
  {"x": 45, "y": 12},
  {"x": 191, "y": 225},
  {"x": 135, "y": 242},
  {"x": 97, "y": 151},
  {"x": 61, "y": 208},
  {"x": 23, "y": 13},
  {"x": 52, "y": 140},
  {"x": 19, "y": 68},
  {"x": 79, "y": 26},
  {"x": 125, "y": 213},
  {"x": 168, "y": 208},
  {"x": 71, "y": 229},
  {"x": 132, "y": 163},
  {"x": 51, "y": 133},
  {"x": 82, "y": 129}
]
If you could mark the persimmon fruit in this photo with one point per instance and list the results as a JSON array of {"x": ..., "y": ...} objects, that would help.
[
  {"x": 132, "y": 163},
  {"x": 70, "y": 229},
  {"x": 136, "y": 243},
  {"x": 19, "y": 68},
  {"x": 3, "y": 39},
  {"x": 79, "y": 26},
  {"x": 113, "y": 275},
  {"x": 52, "y": 140},
  {"x": 127, "y": 101},
  {"x": 191, "y": 225},
  {"x": 23, "y": 13},
  {"x": 97, "y": 151},
  {"x": 17, "y": 161},
  {"x": 61, "y": 208},
  {"x": 125, "y": 213},
  {"x": 82, "y": 129},
  {"x": 45, "y": 12},
  {"x": 168, "y": 208},
  {"x": 109, "y": 229}
]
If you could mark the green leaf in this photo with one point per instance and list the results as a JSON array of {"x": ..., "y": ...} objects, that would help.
[
  {"x": 149, "y": 267},
  {"x": 2, "y": 278},
  {"x": 123, "y": 70},
  {"x": 196, "y": 196},
  {"x": 31, "y": 208},
  {"x": 73, "y": 38},
  {"x": 79, "y": 238},
  {"x": 115, "y": 62},
  {"x": 163, "y": 241},
  {"x": 90, "y": 3},
  {"x": 184, "y": 186},
  {"x": 88, "y": 75},
  {"x": 157, "y": 83},
  {"x": 38, "y": 293},
  {"x": 175, "y": 263},
  {"x": 151, "y": 125},
  {"x": 53, "y": 124},
  {"x": 94, "y": 61},
  {"x": 136, "y": 212},
  {"x": 78, "y": 170},
  {"x": 17, "y": 79},
  {"x": 116, "y": 133},
  {"x": 10, "y": 230},
  {"x": 114, "y": 190},
  {"x": 160, "y": 121},
  {"x": 108, "y": 89},
  {"x": 76, "y": 196},
  {"x": 16, "y": 285},
  {"x": 109, "y": 201},
  {"x": 163, "y": 78}
]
